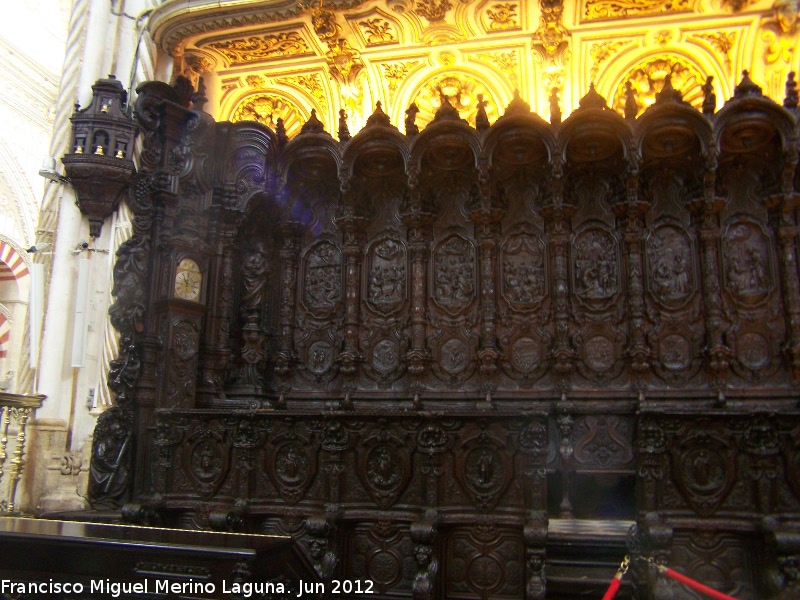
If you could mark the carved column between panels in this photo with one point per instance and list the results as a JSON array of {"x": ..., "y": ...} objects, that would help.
[
  {"x": 418, "y": 223},
  {"x": 285, "y": 359},
  {"x": 786, "y": 232},
  {"x": 557, "y": 218},
  {"x": 631, "y": 214},
  {"x": 216, "y": 355},
  {"x": 533, "y": 443},
  {"x": 705, "y": 213},
  {"x": 487, "y": 228},
  {"x": 353, "y": 229}
]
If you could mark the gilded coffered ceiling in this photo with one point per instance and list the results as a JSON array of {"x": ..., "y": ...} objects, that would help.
[{"x": 265, "y": 60}]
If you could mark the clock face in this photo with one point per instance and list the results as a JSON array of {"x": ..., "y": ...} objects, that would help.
[{"x": 188, "y": 280}]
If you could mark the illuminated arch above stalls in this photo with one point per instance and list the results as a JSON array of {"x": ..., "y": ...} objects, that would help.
[{"x": 266, "y": 108}]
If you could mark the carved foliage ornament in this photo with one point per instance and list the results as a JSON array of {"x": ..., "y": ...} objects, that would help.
[
  {"x": 267, "y": 110},
  {"x": 502, "y": 16},
  {"x": 619, "y": 9},
  {"x": 265, "y": 47}
]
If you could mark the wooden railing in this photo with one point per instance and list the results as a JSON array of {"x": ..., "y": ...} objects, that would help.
[{"x": 15, "y": 410}]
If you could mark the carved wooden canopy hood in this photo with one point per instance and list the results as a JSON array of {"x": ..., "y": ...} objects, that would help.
[{"x": 420, "y": 352}]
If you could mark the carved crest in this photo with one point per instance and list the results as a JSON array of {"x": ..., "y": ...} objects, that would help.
[
  {"x": 595, "y": 267},
  {"x": 206, "y": 458},
  {"x": 387, "y": 278},
  {"x": 670, "y": 266},
  {"x": 747, "y": 264},
  {"x": 454, "y": 274},
  {"x": 524, "y": 282},
  {"x": 704, "y": 470},
  {"x": 322, "y": 278}
]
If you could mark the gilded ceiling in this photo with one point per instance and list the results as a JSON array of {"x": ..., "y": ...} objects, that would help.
[{"x": 265, "y": 60}]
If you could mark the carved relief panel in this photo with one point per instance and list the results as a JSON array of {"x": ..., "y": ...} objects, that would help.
[
  {"x": 524, "y": 277},
  {"x": 595, "y": 267},
  {"x": 671, "y": 268},
  {"x": 322, "y": 278},
  {"x": 453, "y": 274},
  {"x": 748, "y": 271},
  {"x": 387, "y": 276}
]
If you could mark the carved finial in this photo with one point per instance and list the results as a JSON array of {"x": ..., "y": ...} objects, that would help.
[
  {"x": 199, "y": 98},
  {"x": 746, "y": 87},
  {"x": 709, "y": 97},
  {"x": 668, "y": 93},
  {"x": 555, "y": 107},
  {"x": 481, "y": 118},
  {"x": 313, "y": 125},
  {"x": 517, "y": 105},
  {"x": 592, "y": 100},
  {"x": 446, "y": 110},
  {"x": 344, "y": 132},
  {"x": 631, "y": 108},
  {"x": 791, "y": 99},
  {"x": 411, "y": 116},
  {"x": 378, "y": 117},
  {"x": 280, "y": 133}
]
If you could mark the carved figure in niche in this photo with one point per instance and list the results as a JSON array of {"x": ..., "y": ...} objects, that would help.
[
  {"x": 109, "y": 467},
  {"x": 454, "y": 275},
  {"x": 669, "y": 261},
  {"x": 481, "y": 469},
  {"x": 704, "y": 472},
  {"x": 747, "y": 261},
  {"x": 254, "y": 277},
  {"x": 386, "y": 287},
  {"x": 323, "y": 281},
  {"x": 523, "y": 270},
  {"x": 383, "y": 470},
  {"x": 595, "y": 265}
]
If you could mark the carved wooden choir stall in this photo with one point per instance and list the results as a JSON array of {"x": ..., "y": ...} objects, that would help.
[{"x": 436, "y": 357}]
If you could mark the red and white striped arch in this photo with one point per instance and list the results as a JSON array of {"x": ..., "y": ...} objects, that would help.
[{"x": 12, "y": 266}]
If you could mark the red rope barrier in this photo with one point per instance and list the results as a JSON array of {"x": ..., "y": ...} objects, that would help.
[
  {"x": 695, "y": 585},
  {"x": 612, "y": 588}
]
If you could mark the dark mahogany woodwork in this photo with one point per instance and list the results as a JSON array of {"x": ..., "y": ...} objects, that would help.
[{"x": 461, "y": 363}]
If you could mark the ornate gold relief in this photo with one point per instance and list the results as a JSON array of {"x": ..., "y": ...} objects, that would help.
[
  {"x": 505, "y": 62},
  {"x": 721, "y": 42},
  {"x": 344, "y": 62},
  {"x": 312, "y": 84},
  {"x": 461, "y": 91},
  {"x": 377, "y": 31},
  {"x": 596, "y": 10},
  {"x": 663, "y": 37},
  {"x": 324, "y": 23},
  {"x": 396, "y": 73},
  {"x": 602, "y": 51},
  {"x": 780, "y": 42},
  {"x": 502, "y": 17},
  {"x": 647, "y": 79},
  {"x": 267, "y": 109},
  {"x": 195, "y": 64},
  {"x": 551, "y": 43},
  {"x": 264, "y": 47},
  {"x": 433, "y": 10},
  {"x": 256, "y": 81}
]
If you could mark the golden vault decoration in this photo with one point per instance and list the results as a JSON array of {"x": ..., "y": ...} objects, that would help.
[{"x": 333, "y": 55}]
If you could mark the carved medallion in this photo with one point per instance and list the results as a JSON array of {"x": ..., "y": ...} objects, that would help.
[
  {"x": 703, "y": 468},
  {"x": 322, "y": 283},
  {"x": 386, "y": 282},
  {"x": 454, "y": 274},
  {"x": 670, "y": 268},
  {"x": 206, "y": 459},
  {"x": 385, "y": 470},
  {"x": 454, "y": 356},
  {"x": 752, "y": 350},
  {"x": 595, "y": 273},
  {"x": 320, "y": 357},
  {"x": 484, "y": 474},
  {"x": 599, "y": 353},
  {"x": 292, "y": 466},
  {"x": 675, "y": 352},
  {"x": 526, "y": 354},
  {"x": 747, "y": 265},
  {"x": 386, "y": 356},
  {"x": 384, "y": 568},
  {"x": 524, "y": 283},
  {"x": 185, "y": 341}
]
